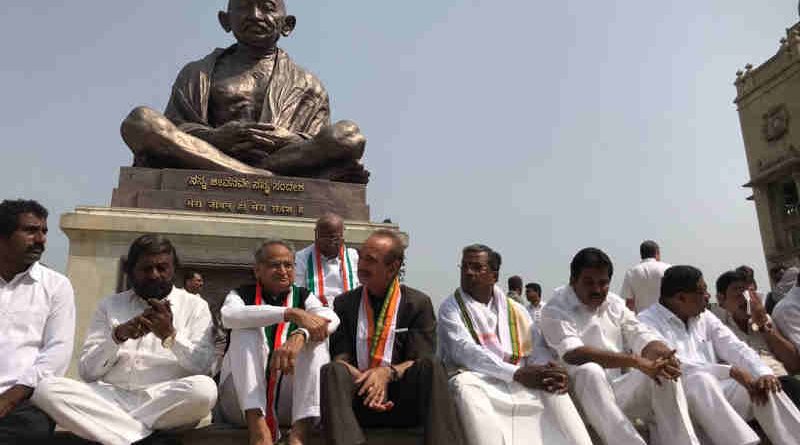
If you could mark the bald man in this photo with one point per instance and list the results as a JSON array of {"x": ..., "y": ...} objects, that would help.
[{"x": 327, "y": 268}]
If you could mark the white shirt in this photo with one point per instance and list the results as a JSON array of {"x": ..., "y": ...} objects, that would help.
[
  {"x": 536, "y": 314},
  {"x": 786, "y": 315},
  {"x": 458, "y": 349},
  {"x": 136, "y": 364},
  {"x": 568, "y": 324},
  {"x": 238, "y": 315},
  {"x": 704, "y": 344},
  {"x": 642, "y": 282},
  {"x": 331, "y": 268},
  {"x": 37, "y": 326}
]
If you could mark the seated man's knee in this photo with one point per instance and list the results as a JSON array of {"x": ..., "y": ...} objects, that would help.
[
  {"x": 48, "y": 391},
  {"x": 589, "y": 371},
  {"x": 201, "y": 393},
  {"x": 144, "y": 120},
  {"x": 345, "y": 134}
]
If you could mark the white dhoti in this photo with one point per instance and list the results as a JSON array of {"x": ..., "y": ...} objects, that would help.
[
  {"x": 494, "y": 412},
  {"x": 610, "y": 403},
  {"x": 243, "y": 384},
  {"x": 722, "y": 407},
  {"x": 104, "y": 413}
]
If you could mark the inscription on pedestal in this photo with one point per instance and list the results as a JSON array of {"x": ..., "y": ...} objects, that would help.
[{"x": 234, "y": 193}]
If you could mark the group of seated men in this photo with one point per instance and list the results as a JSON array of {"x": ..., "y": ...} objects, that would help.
[{"x": 330, "y": 338}]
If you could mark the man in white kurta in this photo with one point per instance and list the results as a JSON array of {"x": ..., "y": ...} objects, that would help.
[
  {"x": 37, "y": 321},
  {"x": 719, "y": 370},
  {"x": 270, "y": 373},
  {"x": 502, "y": 395},
  {"x": 145, "y": 361},
  {"x": 594, "y": 333},
  {"x": 327, "y": 268}
]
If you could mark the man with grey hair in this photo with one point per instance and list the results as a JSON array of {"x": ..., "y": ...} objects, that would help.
[
  {"x": 327, "y": 267},
  {"x": 270, "y": 373},
  {"x": 641, "y": 286}
]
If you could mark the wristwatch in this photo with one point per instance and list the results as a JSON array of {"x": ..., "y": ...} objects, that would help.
[{"x": 169, "y": 342}]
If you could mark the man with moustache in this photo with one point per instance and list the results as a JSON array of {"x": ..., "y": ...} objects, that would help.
[
  {"x": 37, "y": 321},
  {"x": 725, "y": 380},
  {"x": 384, "y": 372},
  {"x": 146, "y": 358},
  {"x": 599, "y": 338},
  {"x": 506, "y": 389},
  {"x": 270, "y": 374},
  {"x": 327, "y": 268}
]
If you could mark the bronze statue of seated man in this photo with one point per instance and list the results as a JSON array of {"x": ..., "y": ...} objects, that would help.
[{"x": 248, "y": 109}]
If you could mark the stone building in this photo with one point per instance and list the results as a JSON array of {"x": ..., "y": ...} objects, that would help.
[{"x": 768, "y": 101}]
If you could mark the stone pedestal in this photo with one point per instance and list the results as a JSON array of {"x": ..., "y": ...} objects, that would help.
[{"x": 220, "y": 245}]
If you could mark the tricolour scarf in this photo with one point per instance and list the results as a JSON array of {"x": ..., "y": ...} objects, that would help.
[
  {"x": 276, "y": 337},
  {"x": 375, "y": 338},
  {"x": 508, "y": 337},
  {"x": 315, "y": 272}
]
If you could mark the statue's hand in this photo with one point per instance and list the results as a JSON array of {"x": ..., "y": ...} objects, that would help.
[
  {"x": 228, "y": 136},
  {"x": 269, "y": 137}
]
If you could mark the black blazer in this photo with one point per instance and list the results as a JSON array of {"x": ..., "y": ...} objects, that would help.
[{"x": 415, "y": 314}]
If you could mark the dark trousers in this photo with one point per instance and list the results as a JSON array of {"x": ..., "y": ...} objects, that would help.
[
  {"x": 421, "y": 397},
  {"x": 26, "y": 424},
  {"x": 791, "y": 386}
]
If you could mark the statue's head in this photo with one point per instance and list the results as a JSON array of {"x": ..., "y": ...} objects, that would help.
[{"x": 257, "y": 23}]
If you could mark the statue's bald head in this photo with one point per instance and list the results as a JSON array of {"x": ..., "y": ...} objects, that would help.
[
  {"x": 257, "y": 23},
  {"x": 280, "y": 5}
]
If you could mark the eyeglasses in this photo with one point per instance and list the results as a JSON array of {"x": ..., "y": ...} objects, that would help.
[
  {"x": 474, "y": 267},
  {"x": 277, "y": 264}
]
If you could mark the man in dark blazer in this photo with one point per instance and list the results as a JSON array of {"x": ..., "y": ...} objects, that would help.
[{"x": 384, "y": 371}]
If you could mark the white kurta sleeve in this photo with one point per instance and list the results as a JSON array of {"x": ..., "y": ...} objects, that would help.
[
  {"x": 732, "y": 350},
  {"x": 626, "y": 291},
  {"x": 559, "y": 331},
  {"x": 300, "y": 269},
  {"x": 58, "y": 338},
  {"x": 237, "y": 315},
  {"x": 461, "y": 347},
  {"x": 194, "y": 343},
  {"x": 637, "y": 335},
  {"x": 99, "y": 353},
  {"x": 315, "y": 307},
  {"x": 787, "y": 319}
]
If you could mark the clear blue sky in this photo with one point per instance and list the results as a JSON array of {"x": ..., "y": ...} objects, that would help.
[{"x": 537, "y": 128}]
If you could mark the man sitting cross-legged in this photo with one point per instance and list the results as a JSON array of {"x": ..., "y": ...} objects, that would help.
[
  {"x": 721, "y": 396},
  {"x": 486, "y": 338},
  {"x": 385, "y": 373},
  {"x": 146, "y": 358},
  {"x": 270, "y": 373},
  {"x": 593, "y": 331}
]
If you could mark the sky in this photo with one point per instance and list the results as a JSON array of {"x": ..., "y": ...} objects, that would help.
[{"x": 537, "y": 128}]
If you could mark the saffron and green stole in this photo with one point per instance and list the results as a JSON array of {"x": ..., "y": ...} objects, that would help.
[
  {"x": 513, "y": 325},
  {"x": 375, "y": 338},
  {"x": 315, "y": 273},
  {"x": 276, "y": 335}
]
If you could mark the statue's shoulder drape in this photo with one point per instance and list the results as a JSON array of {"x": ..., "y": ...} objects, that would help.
[{"x": 296, "y": 99}]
